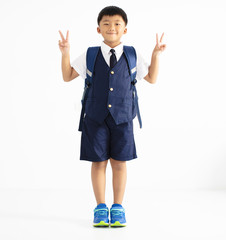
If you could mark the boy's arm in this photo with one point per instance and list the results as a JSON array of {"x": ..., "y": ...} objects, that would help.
[
  {"x": 153, "y": 69},
  {"x": 68, "y": 72}
]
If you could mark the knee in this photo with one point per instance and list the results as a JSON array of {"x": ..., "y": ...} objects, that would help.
[
  {"x": 100, "y": 165},
  {"x": 117, "y": 165}
]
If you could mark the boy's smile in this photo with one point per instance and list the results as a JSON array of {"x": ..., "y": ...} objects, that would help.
[{"x": 112, "y": 28}]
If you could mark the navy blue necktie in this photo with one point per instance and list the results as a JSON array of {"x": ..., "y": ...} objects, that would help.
[{"x": 113, "y": 59}]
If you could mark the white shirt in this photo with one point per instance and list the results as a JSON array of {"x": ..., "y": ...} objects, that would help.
[{"x": 79, "y": 64}]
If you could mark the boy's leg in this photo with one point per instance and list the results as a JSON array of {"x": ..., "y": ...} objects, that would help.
[
  {"x": 119, "y": 179},
  {"x": 98, "y": 175}
]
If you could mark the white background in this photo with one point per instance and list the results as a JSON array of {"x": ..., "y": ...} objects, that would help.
[{"x": 182, "y": 145}]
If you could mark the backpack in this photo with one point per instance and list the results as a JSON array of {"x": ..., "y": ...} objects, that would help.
[{"x": 91, "y": 55}]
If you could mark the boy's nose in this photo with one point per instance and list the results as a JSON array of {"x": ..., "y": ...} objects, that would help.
[{"x": 112, "y": 27}]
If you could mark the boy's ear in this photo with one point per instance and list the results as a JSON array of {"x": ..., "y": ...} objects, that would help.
[
  {"x": 125, "y": 30},
  {"x": 98, "y": 29}
]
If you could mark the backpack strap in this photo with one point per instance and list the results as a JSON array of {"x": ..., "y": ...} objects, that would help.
[
  {"x": 132, "y": 60},
  {"x": 91, "y": 55},
  {"x": 131, "y": 56}
]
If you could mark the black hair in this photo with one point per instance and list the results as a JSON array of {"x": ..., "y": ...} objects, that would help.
[{"x": 111, "y": 11}]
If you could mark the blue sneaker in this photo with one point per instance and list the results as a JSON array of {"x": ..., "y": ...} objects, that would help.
[
  {"x": 101, "y": 213},
  {"x": 118, "y": 218}
]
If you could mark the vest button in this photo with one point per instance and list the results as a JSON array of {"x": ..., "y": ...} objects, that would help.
[
  {"x": 109, "y": 105},
  {"x": 111, "y": 89},
  {"x": 112, "y": 72}
]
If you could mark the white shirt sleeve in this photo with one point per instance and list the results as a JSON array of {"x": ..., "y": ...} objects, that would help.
[
  {"x": 79, "y": 64},
  {"x": 142, "y": 67}
]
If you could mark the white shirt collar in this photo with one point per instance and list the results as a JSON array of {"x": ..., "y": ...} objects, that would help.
[{"x": 106, "y": 49}]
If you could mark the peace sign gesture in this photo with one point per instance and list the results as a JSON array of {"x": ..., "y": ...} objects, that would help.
[
  {"x": 159, "y": 47},
  {"x": 64, "y": 44}
]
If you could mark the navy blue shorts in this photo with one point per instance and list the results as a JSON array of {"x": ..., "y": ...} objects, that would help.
[{"x": 100, "y": 142}]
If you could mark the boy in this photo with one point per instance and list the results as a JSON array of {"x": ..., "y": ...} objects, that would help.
[{"x": 107, "y": 125}]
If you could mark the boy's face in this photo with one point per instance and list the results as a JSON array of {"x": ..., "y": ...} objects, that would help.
[{"x": 112, "y": 28}]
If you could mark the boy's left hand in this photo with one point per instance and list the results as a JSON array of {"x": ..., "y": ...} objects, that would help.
[{"x": 159, "y": 47}]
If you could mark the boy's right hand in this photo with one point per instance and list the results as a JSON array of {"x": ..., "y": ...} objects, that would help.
[{"x": 64, "y": 44}]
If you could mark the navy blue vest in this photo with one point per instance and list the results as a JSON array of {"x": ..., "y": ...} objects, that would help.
[{"x": 111, "y": 91}]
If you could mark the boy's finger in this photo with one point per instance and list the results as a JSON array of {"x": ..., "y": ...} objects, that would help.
[
  {"x": 157, "y": 40},
  {"x": 61, "y": 35},
  {"x": 161, "y": 37},
  {"x": 67, "y": 37}
]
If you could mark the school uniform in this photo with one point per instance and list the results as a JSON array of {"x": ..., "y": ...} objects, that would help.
[{"x": 107, "y": 128}]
